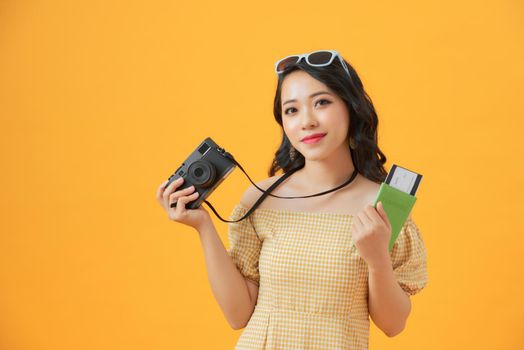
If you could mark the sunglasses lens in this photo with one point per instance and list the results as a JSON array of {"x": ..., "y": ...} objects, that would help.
[
  {"x": 319, "y": 57},
  {"x": 286, "y": 63}
]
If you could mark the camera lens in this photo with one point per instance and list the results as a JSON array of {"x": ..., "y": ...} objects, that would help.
[{"x": 201, "y": 173}]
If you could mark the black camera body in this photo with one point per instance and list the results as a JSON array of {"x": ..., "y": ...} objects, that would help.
[{"x": 205, "y": 168}]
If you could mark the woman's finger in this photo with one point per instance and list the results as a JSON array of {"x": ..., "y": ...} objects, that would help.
[
  {"x": 160, "y": 190},
  {"x": 372, "y": 214},
  {"x": 182, "y": 201},
  {"x": 172, "y": 187},
  {"x": 173, "y": 197},
  {"x": 364, "y": 218},
  {"x": 383, "y": 215}
]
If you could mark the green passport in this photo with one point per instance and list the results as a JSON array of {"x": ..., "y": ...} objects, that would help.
[{"x": 397, "y": 194}]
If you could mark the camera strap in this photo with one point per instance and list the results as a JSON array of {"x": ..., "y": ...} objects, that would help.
[{"x": 267, "y": 192}]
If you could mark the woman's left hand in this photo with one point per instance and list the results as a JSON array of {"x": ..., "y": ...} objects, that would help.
[{"x": 371, "y": 235}]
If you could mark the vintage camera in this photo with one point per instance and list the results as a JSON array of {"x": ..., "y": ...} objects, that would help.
[{"x": 205, "y": 168}]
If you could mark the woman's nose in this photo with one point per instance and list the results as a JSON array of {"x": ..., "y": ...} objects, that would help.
[{"x": 308, "y": 119}]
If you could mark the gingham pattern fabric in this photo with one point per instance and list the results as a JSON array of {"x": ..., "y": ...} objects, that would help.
[{"x": 313, "y": 285}]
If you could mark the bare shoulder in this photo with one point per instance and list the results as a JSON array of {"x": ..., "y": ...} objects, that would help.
[
  {"x": 369, "y": 189},
  {"x": 251, "y": 195},
  {"x": 368, "y": 185}
]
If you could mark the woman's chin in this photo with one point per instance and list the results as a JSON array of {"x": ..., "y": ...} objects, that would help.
[{"x": 315, "y": 156}]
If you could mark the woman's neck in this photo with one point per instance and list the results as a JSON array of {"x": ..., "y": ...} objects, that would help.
[{"x": 324, "y": 174}]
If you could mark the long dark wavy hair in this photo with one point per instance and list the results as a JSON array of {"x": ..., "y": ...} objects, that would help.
[{"x": 367, "y": 157}]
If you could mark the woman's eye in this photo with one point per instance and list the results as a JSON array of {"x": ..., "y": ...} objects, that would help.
[
  {"x": 291, "y": 109},
  {"x": 286, "y": 112},
  {"x": 328, "y": 102}
]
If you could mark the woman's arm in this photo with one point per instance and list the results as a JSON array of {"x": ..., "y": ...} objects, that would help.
[
  {"x": 235, "y": 295},
  {"x": 389, "y": 305}
]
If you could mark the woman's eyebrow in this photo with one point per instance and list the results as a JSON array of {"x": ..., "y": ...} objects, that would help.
[{"x": 310, "y": 96}]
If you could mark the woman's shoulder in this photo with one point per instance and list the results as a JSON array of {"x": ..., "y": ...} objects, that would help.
[
  {"x": 368, "y": 188},
  {"x": 362, "y": 192},
  {"x": 252, "y": 193}
]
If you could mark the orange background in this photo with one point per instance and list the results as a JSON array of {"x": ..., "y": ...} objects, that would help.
[{"x": 100, "y": 101}]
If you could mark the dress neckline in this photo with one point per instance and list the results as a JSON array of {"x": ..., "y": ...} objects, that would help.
[{"x": 294, "y": 212}]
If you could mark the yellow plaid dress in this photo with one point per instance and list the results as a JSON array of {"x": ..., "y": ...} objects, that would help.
[{"x": 313, "y": 285}]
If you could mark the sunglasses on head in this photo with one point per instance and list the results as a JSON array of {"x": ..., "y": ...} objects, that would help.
[{"x": 320, "y": 58}]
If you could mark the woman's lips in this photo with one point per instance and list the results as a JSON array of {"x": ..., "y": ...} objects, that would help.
[{"x": 314, "y": 140}]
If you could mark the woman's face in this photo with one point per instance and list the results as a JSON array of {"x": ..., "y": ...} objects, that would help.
[{"x": 310, "y": 107}]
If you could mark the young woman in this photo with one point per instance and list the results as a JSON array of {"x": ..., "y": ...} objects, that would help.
[{"x": 308, "y": 273}]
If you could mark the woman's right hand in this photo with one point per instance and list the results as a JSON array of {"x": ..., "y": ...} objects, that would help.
[{"x": 191, "y": 217}]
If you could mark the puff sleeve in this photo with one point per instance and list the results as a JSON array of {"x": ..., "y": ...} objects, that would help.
[
  {"x": 244, "y": 244},
  {"x": 408, "y": 257}
]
